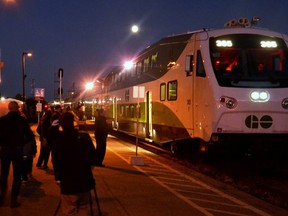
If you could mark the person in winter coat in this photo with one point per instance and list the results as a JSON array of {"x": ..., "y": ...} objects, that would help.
[
  {"x": 54, "y": 128},
  {"x": 74, "y": 156},
  {"x": 45, "y": 147},
  {"x": 101, "y": 133},
  {"x": 14, "y": 133}
]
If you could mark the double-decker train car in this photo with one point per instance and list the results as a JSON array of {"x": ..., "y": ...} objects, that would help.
[{"x": 209, "y": 86}]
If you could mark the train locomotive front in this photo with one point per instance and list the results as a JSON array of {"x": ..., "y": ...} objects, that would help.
[{"x": 247, "y": 77}]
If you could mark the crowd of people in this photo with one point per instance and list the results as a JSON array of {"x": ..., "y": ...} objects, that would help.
[{"x": 72, "y": 154}]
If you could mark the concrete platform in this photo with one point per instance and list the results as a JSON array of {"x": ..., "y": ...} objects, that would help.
[{"x": 159, "y": 187}]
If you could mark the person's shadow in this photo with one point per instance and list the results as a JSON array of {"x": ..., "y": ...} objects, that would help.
[{"x": 32, "y": 189}]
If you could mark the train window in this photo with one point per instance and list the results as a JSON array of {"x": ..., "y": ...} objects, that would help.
[
  {"x": 250, "y": 60},
  {"x": 172, "y": 90},
  {"x": 189, "y": 65},
  {"x": 127, "y": 113},
  {"x": 200, "y": 70},
  {"x": 277, "y": 66},
  {"x": 138, "y": 67},
  {"x": 139, "y": 111},
  {"x": 121, "y": 113},
  {"x": 142, "y": 66},
  {"x": 154, "y": 59},
  {"x": 162, "y": 91},
  {"x": 127, "y": 95},
  {"x": 146, "y": 64},
  {"x": 132, "y": 111}
]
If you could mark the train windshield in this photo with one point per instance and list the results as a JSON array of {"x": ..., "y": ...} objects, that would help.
[{"x": 247, "y": 60}]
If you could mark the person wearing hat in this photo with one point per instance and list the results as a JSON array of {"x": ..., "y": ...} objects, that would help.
[
  {"x": 14, "y": 133},
  {"x": 73, "y": 158}
]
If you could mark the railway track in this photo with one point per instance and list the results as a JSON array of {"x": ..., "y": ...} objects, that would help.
[{"x": 264, "y": 179}]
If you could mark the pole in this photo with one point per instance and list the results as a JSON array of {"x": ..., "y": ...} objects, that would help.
[
  {"x": 137, "y": 160},
  {"x": 60, "y": 87},
  {"x": 0, "y": 68},
  {"x": 23, "y": 77},
  {"x": 23, "y": 81},
  {"x": 137, "y": 125},
  {"x": 38, "y": 111}
]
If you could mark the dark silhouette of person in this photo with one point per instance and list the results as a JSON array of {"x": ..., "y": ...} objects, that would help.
[
  {"x": 54, "y": 128},
  {"x": 29, "y": 152},
  {"x": 73, "y": 158},
  {"x": 45, "y": 147},
  {"x": 14, "y": 133},
  {"x": 101, "y": 133},
  {"x": 56, "y": 113}
]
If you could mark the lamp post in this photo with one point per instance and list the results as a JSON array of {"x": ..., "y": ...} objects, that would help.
[
  {"x": 89, "y": 86},
  {"x": 24, "y": 54},
  {"x": 97, "y": 87}
]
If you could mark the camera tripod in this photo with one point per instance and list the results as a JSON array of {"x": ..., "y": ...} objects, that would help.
[{"x": 90, "y": 203}]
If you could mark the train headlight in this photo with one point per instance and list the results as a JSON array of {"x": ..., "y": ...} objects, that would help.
[
  {"x": 228, "y": 102},
  {"x": 285, "y": 103},
  {"x": 259, "y": 96}
]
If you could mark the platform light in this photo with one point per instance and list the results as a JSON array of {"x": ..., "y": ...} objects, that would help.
[
  {"x": 128, "y": 65},
  {"x": 89, "y": 86}
]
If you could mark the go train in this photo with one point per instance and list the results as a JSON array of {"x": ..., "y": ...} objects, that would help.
[{"x": 204, "y": 87}]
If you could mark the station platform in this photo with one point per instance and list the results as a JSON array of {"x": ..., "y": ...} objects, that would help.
[{"x": 158, "y": 187}]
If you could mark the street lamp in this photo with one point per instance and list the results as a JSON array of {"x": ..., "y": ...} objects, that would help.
[
  {"x": 89, "y": 86},
  {"x": 24, "y": 54},
  {"x": 93, "y": 87}
]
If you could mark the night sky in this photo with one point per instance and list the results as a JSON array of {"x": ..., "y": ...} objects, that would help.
[{"x": 88, "y": 37}]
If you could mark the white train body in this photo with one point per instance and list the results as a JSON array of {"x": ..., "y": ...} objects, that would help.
[{"x": 219, "y": 83}]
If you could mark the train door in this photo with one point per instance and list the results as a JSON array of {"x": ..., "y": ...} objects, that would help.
[
  {"x": 189, "y": 86},
  {"x": 202, "y": 99},
  {"x": 148, "y": 114},
  {"x": 115, "y": 114}
]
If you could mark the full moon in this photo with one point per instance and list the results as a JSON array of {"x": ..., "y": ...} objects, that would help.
[{"x": 134, "y": 28}]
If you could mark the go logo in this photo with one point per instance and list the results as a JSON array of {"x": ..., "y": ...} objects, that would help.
[{"x": 253, "y": 122}]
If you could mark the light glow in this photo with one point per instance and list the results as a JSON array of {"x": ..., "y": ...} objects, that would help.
[
  {"x": 89, "y": 86},
  {"x": 263, "y": 95},
  {"x": 10, "y": 1},
  {"x": 268, "y": 44},
  {"x": 134, "y": 28},
  {"x": 224, "y": 43},
  {"x": 259, "y": 96},
  {"x": 254, "y": 95},
  {"x": 128, "y": 65}
]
